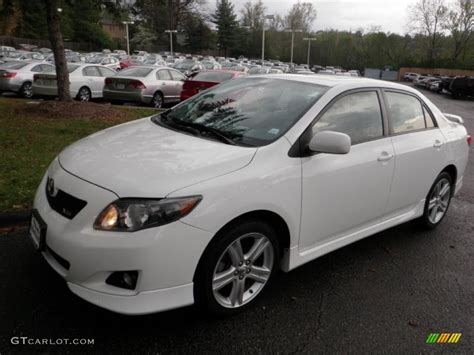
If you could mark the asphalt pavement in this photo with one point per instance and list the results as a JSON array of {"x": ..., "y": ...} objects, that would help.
[{"x": 384, "y": 294}]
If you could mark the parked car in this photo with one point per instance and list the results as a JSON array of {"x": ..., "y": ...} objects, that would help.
[
  {"x": 106, "y": 61},
  {"x": 206, "y": 79},
  {"x": 151, "y": 85},
  {"x": 259, "y": 70},
  {"x": 410, "y": 76},
  {"x": 418, "y": 81},
  {"x": 434, "y": 86},
  {"x": 22, "y": 55},
  {"x": 204, "y": 203},
  {"x": 211, "y": 65},
  {"x": 445, "y": 83},
  {"x": 86, "y": 82},
  {"x": 462, "y": 87},
  {"x": 17, "y": 77}
]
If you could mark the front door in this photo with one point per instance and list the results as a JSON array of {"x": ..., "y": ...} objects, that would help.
[{"x": 343, "y": 193}]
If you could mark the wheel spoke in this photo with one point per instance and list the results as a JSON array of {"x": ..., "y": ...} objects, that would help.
[
  {"x": 433, "y": 214},
  {"x": 235, "y": 252},
  {"x": 222, "y": 279},
  {"x": 444, "y": 190},
  {"x": 257, "y": 249},
  {"x": 259, "y": 274},
  {"x": 237, "y": 294},
  {"x": 432, "y": 203},
  {"x": 444, "y": 204}
]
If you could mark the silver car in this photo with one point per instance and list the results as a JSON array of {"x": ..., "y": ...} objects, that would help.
[
  {"x": 17, "y": 77},
  {"x": 87, "y": 81},
  {"x": 150, "y": 85}
]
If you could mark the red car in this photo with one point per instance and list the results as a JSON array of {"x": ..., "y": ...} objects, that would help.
[{"x": 206, "y": 79}]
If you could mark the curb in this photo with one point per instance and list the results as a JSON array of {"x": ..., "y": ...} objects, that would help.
[{"x": 12, "y": 218}]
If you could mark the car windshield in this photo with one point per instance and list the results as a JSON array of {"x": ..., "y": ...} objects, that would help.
[
  {"x": 136, "y": 71},
  {"x": 249, "y": 111},
  {"x": 214, "y": 76}
]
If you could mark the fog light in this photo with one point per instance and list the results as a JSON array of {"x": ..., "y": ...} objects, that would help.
[{"x": 123, "y": 279}]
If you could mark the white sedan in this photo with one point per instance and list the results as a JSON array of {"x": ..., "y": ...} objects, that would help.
[
  {"x": 203, "y": 203},
  {"x": 86, "y": 82}
]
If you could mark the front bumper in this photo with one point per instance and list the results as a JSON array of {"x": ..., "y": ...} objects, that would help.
[{"x": 165, "y": 257}]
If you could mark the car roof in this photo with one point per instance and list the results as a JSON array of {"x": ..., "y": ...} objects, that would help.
[{"x": 340, "y": 80}]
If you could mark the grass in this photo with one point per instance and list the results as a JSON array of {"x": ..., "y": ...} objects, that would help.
[{"x": 28, "y": 145}]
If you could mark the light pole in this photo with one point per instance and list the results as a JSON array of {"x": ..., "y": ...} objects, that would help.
[
  {"x": 292, "y": 41},
  {"x": 171, "y": 38},
  {"x": 126, "y": 23},
  {"x": 269, "y": 17},
  {"x": 309, "y": 46}
]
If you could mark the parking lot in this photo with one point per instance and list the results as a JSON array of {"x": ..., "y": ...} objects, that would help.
[{"x": 383, "y": 294}]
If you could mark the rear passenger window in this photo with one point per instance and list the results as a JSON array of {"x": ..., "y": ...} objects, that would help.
[
  {"x": 357, "y": 115},
  {"x": 405, "y": 112},
  {"x": 176, "y": 76},
  {"x": 163, "y": 75},
  {"x": 90, "y": 71}
]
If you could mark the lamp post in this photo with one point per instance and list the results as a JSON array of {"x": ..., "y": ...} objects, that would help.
[
  {"x": 292, "y": 41},
  {"x": 171, "y": 38},
  {"x": 309, "y": 46},
  {"x": 126, "y": 23},
  {"x": 269, "y": 17}
]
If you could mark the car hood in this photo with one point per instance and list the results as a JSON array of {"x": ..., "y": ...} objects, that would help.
[{"x": 143, "y": 159}]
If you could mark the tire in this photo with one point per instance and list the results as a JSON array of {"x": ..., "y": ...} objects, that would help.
[
  {"x": 84, "y": 94},
  {"x": 26, "y": 90},
  {"x": 157, "y": 100},
  {"x": 226, "y": 282},
  {"x": 439, "y": 198}
]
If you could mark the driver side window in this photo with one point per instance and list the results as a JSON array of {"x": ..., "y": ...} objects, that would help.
[{"x": 357, "y": 115}]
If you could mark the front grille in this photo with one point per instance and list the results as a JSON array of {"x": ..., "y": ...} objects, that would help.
[{"x": 63, "y": 203}]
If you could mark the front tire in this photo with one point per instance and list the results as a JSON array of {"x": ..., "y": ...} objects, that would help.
[
  {"x": 437, "y": 201},
  {"x": 236, "y": 267}
]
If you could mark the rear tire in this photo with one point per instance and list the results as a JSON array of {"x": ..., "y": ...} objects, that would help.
[
  {"x": 437, "y": 201},
  {"x": 26, "y": 90},
  {"x": 84, "y": 94},
  {"x": 157, "y": 100},
  {"x": 236, "y": 268}
]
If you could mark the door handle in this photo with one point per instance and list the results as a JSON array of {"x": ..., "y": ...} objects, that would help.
[
  {"x": 437, "y": 143},
  {"x": 385, "y": 156}
]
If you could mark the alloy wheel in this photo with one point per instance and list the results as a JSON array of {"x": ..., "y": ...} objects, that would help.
[
  {"x": 439, "y": 201},
  {"x": 157, "y": 101},
  {"x": 27, "y": 90},
  {"x": 84, "y": 94},
  {"x": 242, "y": 270}
]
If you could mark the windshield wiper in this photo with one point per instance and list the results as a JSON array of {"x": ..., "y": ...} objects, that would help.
[
  {"x": 202, "y": 128},
  {"x": 172, "y": 122}
]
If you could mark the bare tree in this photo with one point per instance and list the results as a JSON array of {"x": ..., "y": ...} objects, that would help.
[
  {"x": 301, "y": 16},
  {"x": 428, "y": 17},
  {"x": 57, "y": 45},
  {"x": 460, "y": 24}
]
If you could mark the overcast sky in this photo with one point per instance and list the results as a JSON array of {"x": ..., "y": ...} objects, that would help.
[{"x": 346, "y": 14}]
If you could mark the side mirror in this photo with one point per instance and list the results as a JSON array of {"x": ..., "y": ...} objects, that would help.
[{"x": 330, "y": 142}]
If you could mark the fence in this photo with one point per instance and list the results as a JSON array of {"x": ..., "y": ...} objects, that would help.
[{"x": 439, "y": 71}]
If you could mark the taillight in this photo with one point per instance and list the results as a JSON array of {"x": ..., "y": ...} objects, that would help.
[
  {"x": 137, "y": 84},
  {"x": 108, "y": 81},
  {"x": 9, "y": 74},
  {"x": 469, "y": 139}
]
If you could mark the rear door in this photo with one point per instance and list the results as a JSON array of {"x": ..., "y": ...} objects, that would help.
[
  {"x": 93, "y": 80},
  {"x": 165, "y": 84},
  {"x": 177, "y": 84},
  {"x": 420, "y": 149}
]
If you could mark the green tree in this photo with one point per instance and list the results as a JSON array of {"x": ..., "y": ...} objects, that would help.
[{"x": 226, "y": 23}]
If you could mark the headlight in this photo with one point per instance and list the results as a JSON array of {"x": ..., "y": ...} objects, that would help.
[{"x": 131, "y": 214}]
